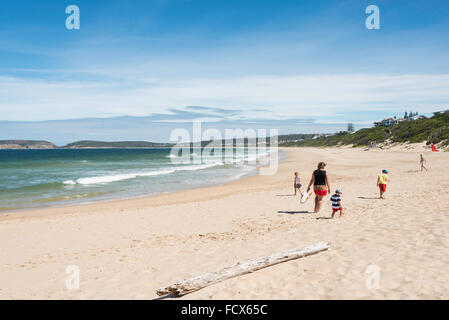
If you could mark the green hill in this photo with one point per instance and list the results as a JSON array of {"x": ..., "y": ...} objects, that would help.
[
  {"x": 26, "y": 144},
  {"x": 430, "y": 130}
]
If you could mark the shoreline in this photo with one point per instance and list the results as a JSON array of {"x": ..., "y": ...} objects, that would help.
[
  {"x": 153, "y": 200},
  {"x": 161, "y": 199}
]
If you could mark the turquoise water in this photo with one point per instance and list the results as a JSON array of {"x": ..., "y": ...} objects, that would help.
[{"x": 37, "y": 178}]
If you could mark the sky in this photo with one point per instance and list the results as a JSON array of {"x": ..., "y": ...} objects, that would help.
[{"x": 135, "y": 70}]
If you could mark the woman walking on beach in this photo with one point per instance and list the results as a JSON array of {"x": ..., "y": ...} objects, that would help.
[{"x": 321, "y": 185}]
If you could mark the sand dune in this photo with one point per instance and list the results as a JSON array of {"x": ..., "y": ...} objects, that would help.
[{"x": 127, "y": 249}]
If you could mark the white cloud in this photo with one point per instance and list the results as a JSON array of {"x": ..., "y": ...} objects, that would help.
[
  {"x": 30, "y": 99},
  {"x": 189, "y": 121}
]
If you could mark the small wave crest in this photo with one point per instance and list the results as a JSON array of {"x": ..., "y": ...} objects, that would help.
[
  {"x": 127, "y": 176},
  {"x": 173, "y": 156}
]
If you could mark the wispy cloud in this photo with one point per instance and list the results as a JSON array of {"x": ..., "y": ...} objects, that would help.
[
  {"x": 155, "y": 127},
  {"x": 251, "y": 97}
]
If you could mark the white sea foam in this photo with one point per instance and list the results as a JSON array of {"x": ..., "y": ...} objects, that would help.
[
  {"x": 240, "y": 159},
  {"x": 200, "y": 166},
  {"x": 172, "y": 156},
  {"x": 105, "y": 179},
  {"x": 127, "y": 176}
]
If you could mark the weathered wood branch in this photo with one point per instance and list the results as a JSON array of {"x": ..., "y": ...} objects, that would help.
[{"x": 207, "y": 279}]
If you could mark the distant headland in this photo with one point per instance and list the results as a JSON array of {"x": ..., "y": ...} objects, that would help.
[
  {"x": 87, "y": 144},
  {"x": 413, "y": 128}
]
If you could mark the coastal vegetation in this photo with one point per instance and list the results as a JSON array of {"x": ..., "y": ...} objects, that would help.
[
  {"x": 430, "y": 130},
  {"x": 26, "y": 144}
]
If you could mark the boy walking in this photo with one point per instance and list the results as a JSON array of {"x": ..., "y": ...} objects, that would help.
[
  {"x": 336, "y": 203},
  {"x": 382, "y": 183}
]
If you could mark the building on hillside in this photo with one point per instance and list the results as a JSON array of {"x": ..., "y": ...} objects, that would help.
[
  {"x": 386, "y": 122},
  {"x": 415, "y": 118},
  {"x": 389, "y": 122},
  {"x": 440, "y": 112}
]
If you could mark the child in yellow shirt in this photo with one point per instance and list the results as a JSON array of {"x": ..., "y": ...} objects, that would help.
[{"x": 382, "y": 183}]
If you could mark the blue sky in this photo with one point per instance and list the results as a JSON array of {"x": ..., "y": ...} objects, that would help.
[{"x": 300, "y": 66}]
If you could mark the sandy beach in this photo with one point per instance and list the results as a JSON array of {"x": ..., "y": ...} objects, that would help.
[{"x": 128, "y": 249}]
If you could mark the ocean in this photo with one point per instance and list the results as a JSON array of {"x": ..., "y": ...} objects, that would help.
[{"x": 40, "y": 178}]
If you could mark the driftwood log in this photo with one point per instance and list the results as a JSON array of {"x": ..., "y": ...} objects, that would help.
[{"x": 207, "y": 279}]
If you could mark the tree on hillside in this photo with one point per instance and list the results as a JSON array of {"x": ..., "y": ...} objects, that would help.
[
  {"x": 351, "y": 127},
  {"x": 406, "y": 115}
]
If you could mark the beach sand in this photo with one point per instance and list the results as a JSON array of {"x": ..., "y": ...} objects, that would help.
[{"x": 128, "y": 249}]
